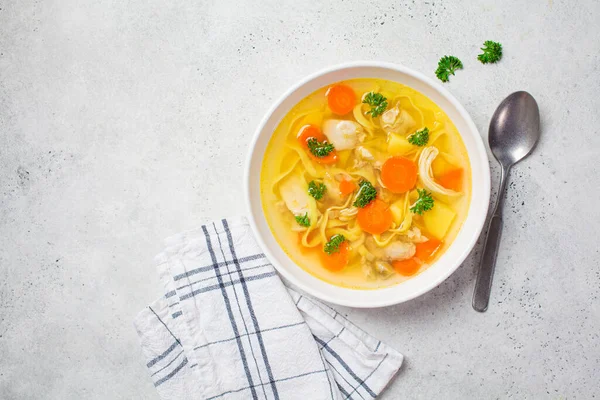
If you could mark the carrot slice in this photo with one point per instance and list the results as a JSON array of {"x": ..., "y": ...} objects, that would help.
[
  {"x": 341, "y": 99},
  {"x": 347, "y": 186},
  {"x": 308, "y": 132},
  {"x": 375, "y": 217},
  {"x": 336, "y": 261},
  {"x": 399, "y": 174},
  {"x": 406, "y": 267},
  {"x": 452, "y": 179},
  {"x": 426, "y": 250}
]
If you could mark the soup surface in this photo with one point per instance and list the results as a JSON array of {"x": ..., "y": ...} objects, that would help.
[{"x": 365, "y": 183}]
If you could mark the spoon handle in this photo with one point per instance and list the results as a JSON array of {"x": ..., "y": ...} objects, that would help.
[{"x": 483, "y": 285}]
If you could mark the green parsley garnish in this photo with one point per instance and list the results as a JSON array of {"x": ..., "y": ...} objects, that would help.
[
  {"x": 423, "y": 203},
  {"x": 377, "y": 102},
  {"x": 303, "y": 220},
  {"x": 446, "y": 67},
  {"x": 366, "y": 194},
  {"x": 316, "y": 190},
  {"x": 419, "y": 138},
  {"x": 333, "y": 246},
  {"x": 319, "y": 149},
  {"x": 492, "y": 52}
]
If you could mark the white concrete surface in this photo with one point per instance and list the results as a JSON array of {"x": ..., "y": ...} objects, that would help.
[{"x": 122, "y": 122}]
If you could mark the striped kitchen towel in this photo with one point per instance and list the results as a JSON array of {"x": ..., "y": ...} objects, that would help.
[{"x": 228, "y": 328}]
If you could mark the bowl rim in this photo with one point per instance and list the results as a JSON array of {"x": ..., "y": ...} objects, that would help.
[{"x": 480, "y": 151}]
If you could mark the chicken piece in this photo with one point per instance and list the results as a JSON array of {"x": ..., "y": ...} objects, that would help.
[
  {"x": 396, "y": 120},
  {"x": 397, "y": 250},
  {"x": 389, "y": 117},
  {"x": 383, "y": 269},
  {"x": 362, "y": 135},
  {"x": 414, "y": 235},
  {"x": 358, "y": 164},
  {"x": 364, "y": 153},
  {"x": 344, "y": 135},
  {"x": 426, "y": 174},
  {"x": 385, "y": 194},
  {"x": 296, "y": 196},
  {"x": 367, "y": 269}
]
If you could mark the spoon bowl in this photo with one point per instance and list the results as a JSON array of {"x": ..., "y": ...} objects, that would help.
[
  {"x": 514, "y": 128},
  {"x": 514, "y": 132}
]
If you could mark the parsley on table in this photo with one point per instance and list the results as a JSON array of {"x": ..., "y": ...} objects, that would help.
[
  {"x": 366, "y": 194},
  {"x": 333, "y": 246},
  {"x": 419, "y": 138},
  {"x": 303, "y": 220},
  {"x": 319, "y": 149},
  {"x": 492, "y": 52},
  {"x": 377, "y": 102},
  {"x": 446, "y": 67},
  {"x": 423, "y": 203},
  {"x": 316, "y": 190}
]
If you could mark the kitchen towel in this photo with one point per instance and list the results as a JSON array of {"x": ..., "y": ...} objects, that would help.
[{"x": 228, "y": 328}]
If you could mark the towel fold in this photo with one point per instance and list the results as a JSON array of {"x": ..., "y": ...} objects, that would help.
[{"x": 228, "y": 328}]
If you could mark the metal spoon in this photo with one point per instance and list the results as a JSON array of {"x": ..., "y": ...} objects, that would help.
[{"x": 514, "y": 132}]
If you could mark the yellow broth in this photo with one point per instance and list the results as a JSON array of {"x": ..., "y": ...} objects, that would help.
[{"x": 288, "y": 167}]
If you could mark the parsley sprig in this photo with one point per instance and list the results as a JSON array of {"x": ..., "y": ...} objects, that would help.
[
  {"x": 446, "y": 67},
  {"x": 492, "y": 52},
  {"x": 303, "y": 220},
  {"x": 316, "y": 190},
  {"x": 419, "y": 138},
  {"x": 423, "y": 203},
  {"x": 333, "y": 246},
  {"x": 377, "y": 102},
  {"x": 319, "y": 149},
  {"x": 366, "y": 194}
]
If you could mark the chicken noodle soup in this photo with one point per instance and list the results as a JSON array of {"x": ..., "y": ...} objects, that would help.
[{"x": 365, "y": 183}]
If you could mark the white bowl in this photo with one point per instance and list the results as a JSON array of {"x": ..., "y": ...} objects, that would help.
[{"x": 452, "y": 257}]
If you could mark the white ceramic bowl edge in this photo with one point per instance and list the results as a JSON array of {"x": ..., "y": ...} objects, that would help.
[{"x": 447, "y": 263}]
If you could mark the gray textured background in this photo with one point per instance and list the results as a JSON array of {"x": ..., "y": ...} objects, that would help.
[{"x": 122, "y": 122}]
